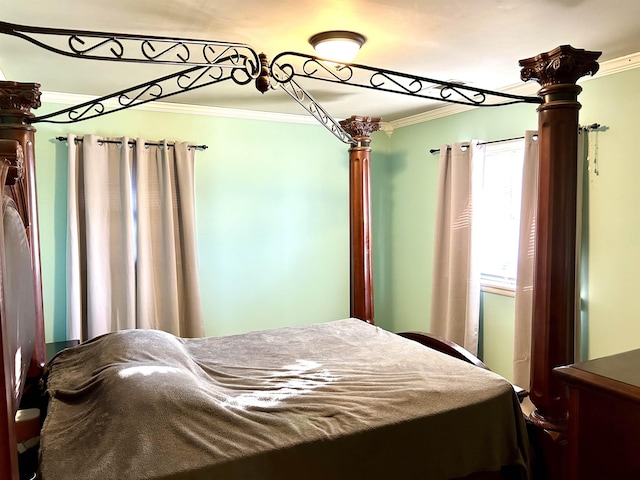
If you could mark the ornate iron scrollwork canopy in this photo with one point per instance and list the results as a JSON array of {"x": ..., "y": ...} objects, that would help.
[
  {"x": 288, "y": 65},
  {"x": 122, "y": 47},
  {"x": 214, "y": 62}
]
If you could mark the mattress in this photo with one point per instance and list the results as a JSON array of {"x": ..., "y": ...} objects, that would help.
[{"x": 341, "y": 399}]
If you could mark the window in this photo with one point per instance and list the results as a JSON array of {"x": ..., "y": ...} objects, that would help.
[{"x": 499, "y": 217}]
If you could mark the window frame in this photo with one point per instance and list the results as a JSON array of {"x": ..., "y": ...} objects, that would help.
[{"x": 493, "y": 283}]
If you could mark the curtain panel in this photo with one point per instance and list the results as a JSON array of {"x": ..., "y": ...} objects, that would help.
[
  {"x": 131, "y": 248},
  {"x": 455, "y": 302},
  {"x": 526, "y": 262}
]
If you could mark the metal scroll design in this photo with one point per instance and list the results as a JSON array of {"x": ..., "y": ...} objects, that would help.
[
  {"x": 306, "y": 101},
  {"x": 389, "y": 81},
  {"x": 214, "y": 62},
  {"x": 174, "y": 84},
  {"x": 121, "y": 47}
]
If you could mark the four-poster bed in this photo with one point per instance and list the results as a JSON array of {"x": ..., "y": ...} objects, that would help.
[{"x": 554, "y": 288}]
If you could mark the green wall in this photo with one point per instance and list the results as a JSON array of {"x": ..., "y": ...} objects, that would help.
[
  {"x": 272, "y": 213},
  {"x": 272, "y": 216},
  {"x": 611, "y": 305}
]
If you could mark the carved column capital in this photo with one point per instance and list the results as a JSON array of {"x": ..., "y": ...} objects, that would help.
[
  {"x": 562, "y": 65},
  {"x": 360, "y": 128},
  {"x": 19, "y": 98}
]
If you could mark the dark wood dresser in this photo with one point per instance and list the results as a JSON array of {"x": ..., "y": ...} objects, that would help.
[{"x": 604, "y": 417}]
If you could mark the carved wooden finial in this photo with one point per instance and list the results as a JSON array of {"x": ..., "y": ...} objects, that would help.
[
  {"x": 360, "y": 127},
  {"x": 562, "y": 65},
  {"x": 16, "y": 97},
  {"x": 262, "y": 82}
]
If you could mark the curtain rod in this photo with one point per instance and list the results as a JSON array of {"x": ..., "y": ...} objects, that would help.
[
  {"x": 587, "y": 128},
  {"x": 132, "y": 143}
]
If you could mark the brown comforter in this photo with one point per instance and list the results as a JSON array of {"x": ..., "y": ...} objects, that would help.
[{"x": 337, "y": 400}]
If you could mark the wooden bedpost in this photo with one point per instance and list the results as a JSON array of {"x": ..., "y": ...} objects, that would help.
[
  {"x": 554, "y": 286},
  {"x": 16, "y": 101},
  {"x": 360, "y": 129}
]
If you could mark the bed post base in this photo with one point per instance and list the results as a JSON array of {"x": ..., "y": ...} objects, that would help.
[
  {"x": 554, "y": 292},
  {"x": 360, "y": 129}
]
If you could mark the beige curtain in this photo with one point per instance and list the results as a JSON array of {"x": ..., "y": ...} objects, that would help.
[
  {"x": 526, "y": 258},
  {"x": 131, "y": 251},
  {"x": 455, "y": 300},
  {"x": 168, "y": 283}
]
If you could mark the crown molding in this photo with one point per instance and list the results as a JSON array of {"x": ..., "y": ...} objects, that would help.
[
  {"x": 609, "y": 67},
  {"x": 617, "y": 65}
]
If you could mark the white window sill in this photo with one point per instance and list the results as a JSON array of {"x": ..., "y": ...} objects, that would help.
[{"x": 495, "y": 288}]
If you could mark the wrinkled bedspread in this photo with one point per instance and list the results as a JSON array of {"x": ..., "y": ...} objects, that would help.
[{"x": 337, "y": 400}]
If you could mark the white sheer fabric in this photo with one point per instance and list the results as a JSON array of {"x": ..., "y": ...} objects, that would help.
[
  {"x": 455, "y": 301},
  {"x": 131, "y": 257},
  {"x": 526, "y": 259}
]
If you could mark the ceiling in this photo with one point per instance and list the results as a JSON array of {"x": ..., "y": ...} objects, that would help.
[{"x": 478, "y": 42}]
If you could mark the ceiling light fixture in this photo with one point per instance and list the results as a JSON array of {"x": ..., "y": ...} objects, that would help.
[{"x": 338, "y": 45}]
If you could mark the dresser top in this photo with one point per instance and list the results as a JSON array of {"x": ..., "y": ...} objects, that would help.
[
  {"x": 623, "y": 367},
  {"x": 619, "y": 373}
]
